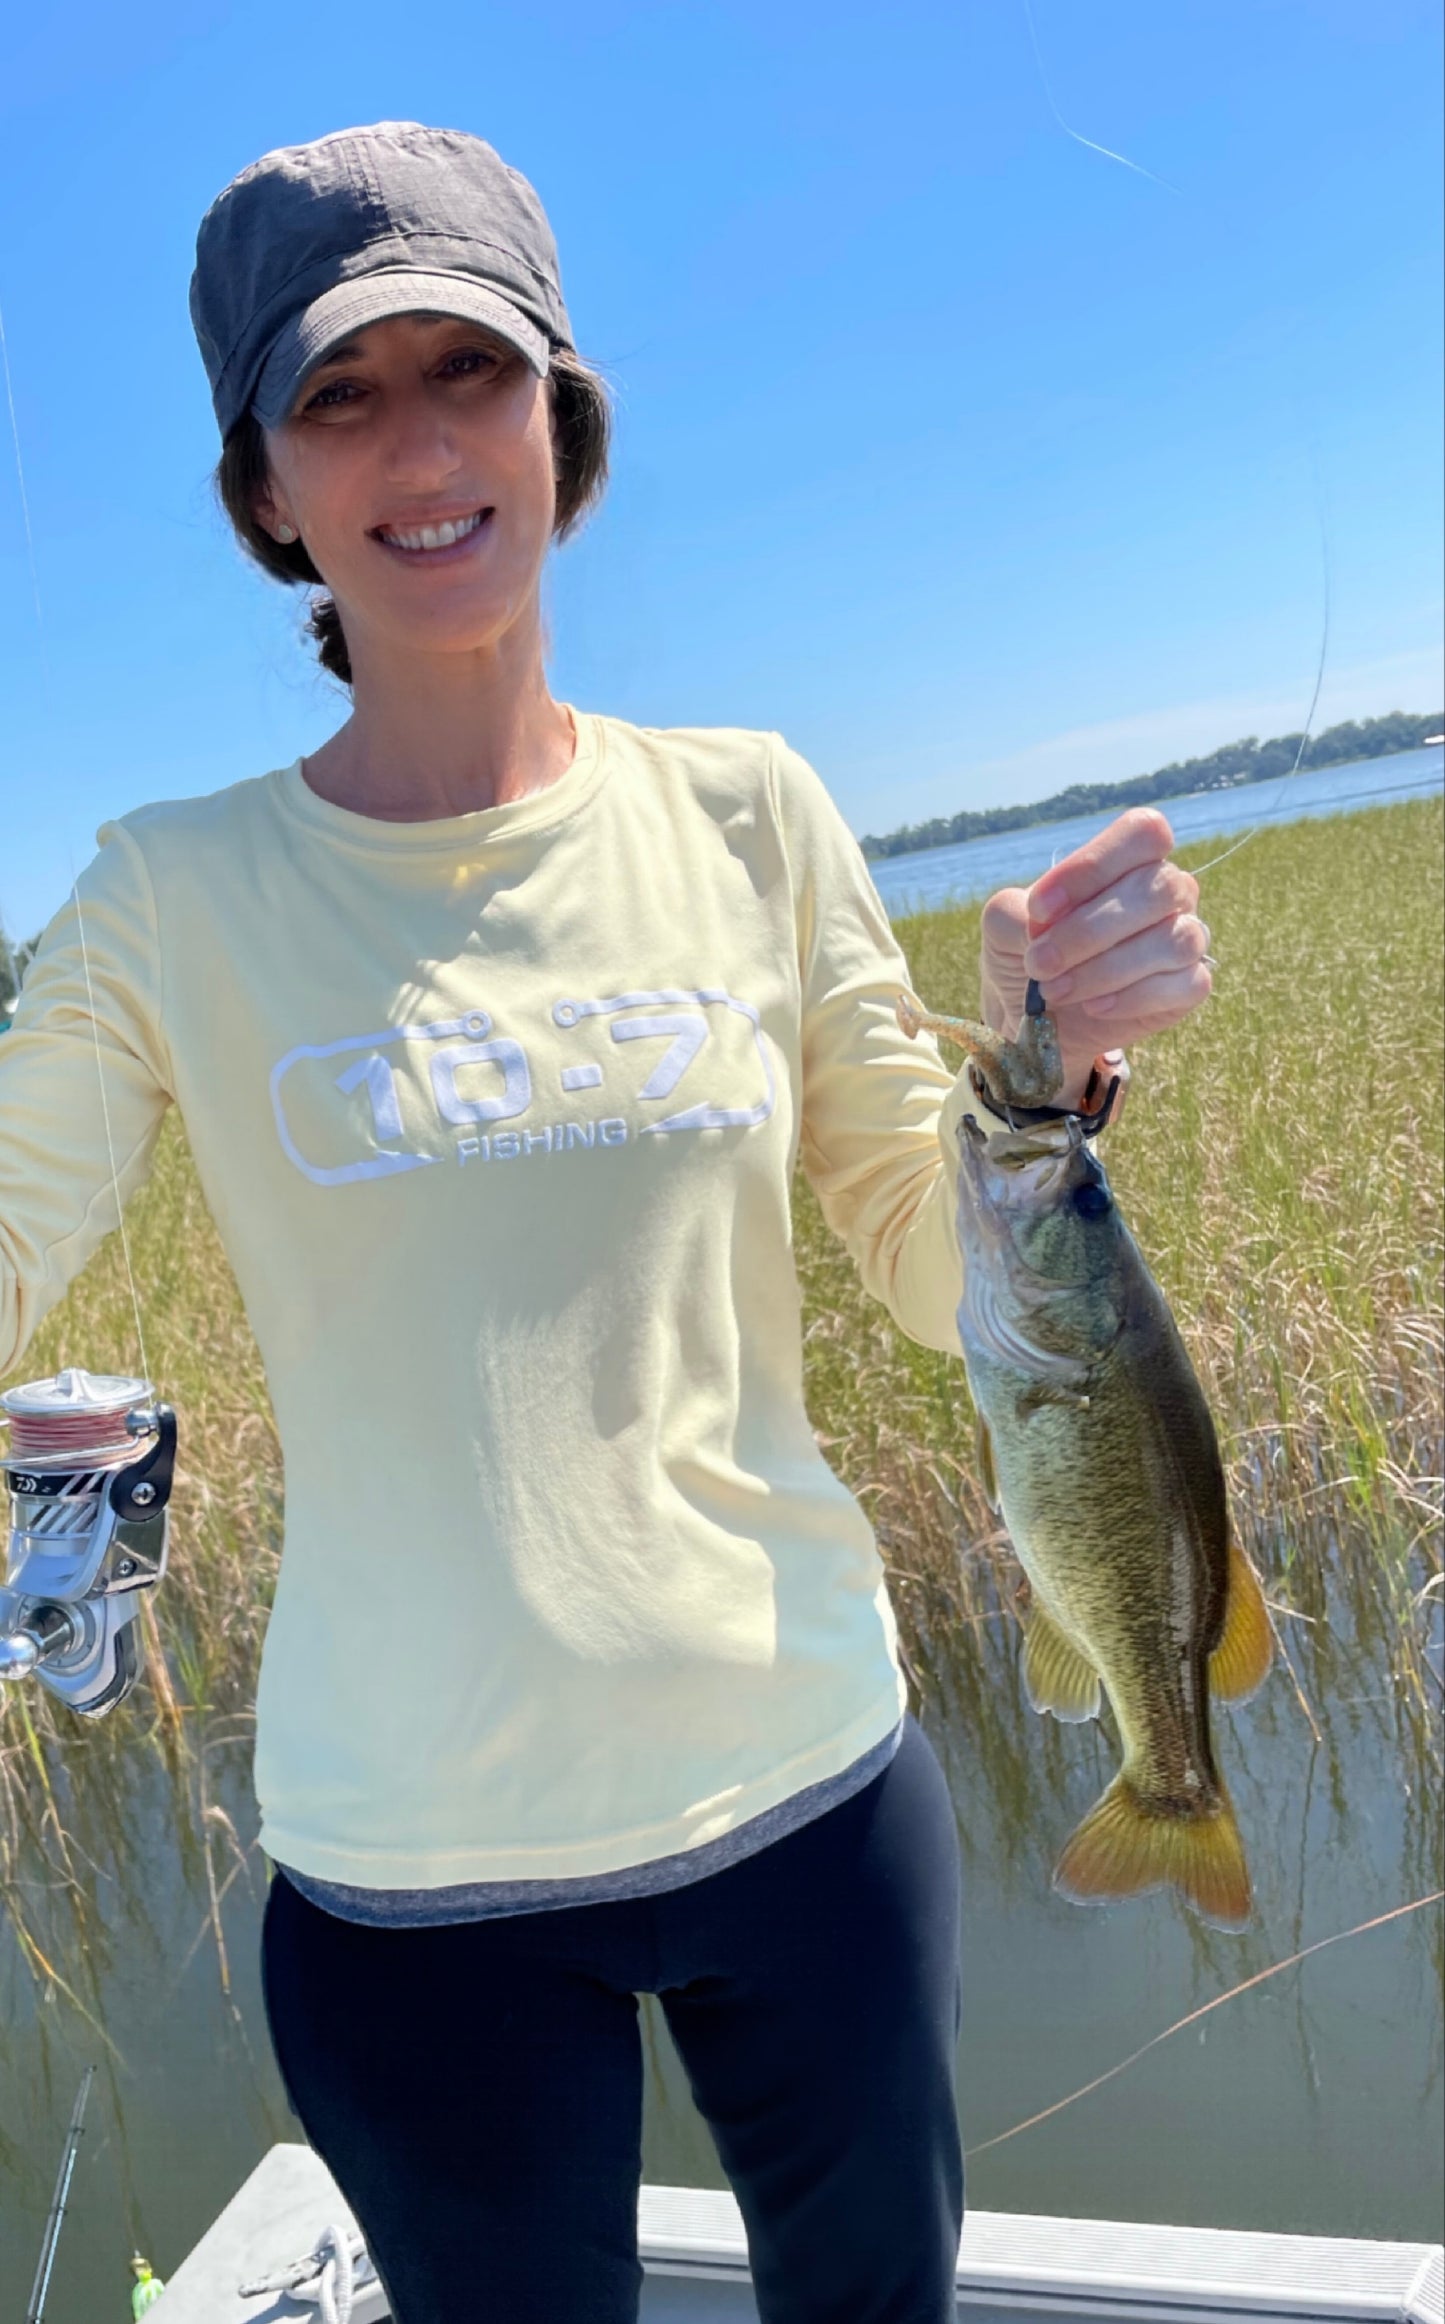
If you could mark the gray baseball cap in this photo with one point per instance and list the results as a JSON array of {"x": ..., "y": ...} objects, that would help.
[{"x": 314, "y": 241}]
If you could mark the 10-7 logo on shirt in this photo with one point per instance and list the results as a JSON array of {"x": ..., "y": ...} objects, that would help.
[{"x": 395, "y": 1095}]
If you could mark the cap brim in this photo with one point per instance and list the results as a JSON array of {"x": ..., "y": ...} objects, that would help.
[{"x": 371, "y": 298}]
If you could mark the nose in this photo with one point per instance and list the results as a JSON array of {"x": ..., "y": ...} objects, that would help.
[{"x": 421, "y": 450}]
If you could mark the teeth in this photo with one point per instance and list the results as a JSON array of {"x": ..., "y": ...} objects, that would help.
[{"x": 433, "y": 536}]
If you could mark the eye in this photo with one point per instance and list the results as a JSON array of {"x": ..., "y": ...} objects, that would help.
[
  {"x": 332, "y": 396},
  {"x": 1091, "y": 1200},
  {"x": 472, "y": 362}
]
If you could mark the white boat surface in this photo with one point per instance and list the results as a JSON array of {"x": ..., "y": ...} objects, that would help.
[{"x": 1010, "y": 2266}]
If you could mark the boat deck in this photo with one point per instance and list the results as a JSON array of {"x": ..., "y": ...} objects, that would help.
[{"x": 1010, "y": 2266}]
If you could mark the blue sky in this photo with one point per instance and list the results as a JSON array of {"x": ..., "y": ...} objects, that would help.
[{"x": 973, "y": 461}]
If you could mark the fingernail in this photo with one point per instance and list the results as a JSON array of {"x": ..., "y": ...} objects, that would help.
[
  {"x": 1060, "y": 988},
  {"x": 1102, "y": 1006},
  {"x": 1043, "y": 958}
]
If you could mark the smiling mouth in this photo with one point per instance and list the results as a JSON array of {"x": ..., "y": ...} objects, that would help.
[{"x": 426, "y": 540}]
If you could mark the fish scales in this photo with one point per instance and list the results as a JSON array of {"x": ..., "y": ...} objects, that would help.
[
  {"x": 1124, "y": 1538},
  {"x": 1100, "y": 1451}
]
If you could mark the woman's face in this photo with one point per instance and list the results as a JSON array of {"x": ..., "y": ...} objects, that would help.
[{"x": 419, "y": 425}]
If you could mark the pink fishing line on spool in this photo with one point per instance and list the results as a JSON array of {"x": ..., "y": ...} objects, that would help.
[{"x": 79, "y": 1418}]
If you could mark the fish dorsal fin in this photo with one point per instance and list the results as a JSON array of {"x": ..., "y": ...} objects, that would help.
[
  {"x": 1241, "y": 1661},
  {"x": 987, "y": 1472},
  {"x": 1058, "y": 1674}
]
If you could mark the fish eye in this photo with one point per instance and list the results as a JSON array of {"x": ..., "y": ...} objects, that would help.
[{"x": 1091, "y": 1200}]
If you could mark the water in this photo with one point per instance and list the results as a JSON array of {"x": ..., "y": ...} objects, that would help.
[
  {"x": 955, "y": 875},
  {"x": 1310, "y": 2104}
]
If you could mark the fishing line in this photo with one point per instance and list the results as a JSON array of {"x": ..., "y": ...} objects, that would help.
[
  {"x": 1262, "y": 1977},
  {"x": 1266, "y": 812},
  {"x": 109, "y": 1139},
  {"x": 1088, "y": 142},
  {"x": 20, "y": 473},
  {"x": 1138, "y": 168},
  {"x": 74, "y": 881},
  {"x": 41, "y": 1438}
]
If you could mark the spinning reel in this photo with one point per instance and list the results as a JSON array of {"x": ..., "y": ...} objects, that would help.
[{"x": 89, "y": 1468}]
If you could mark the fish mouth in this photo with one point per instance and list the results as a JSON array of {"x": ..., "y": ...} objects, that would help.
[
  {"x": 1009, "y": 1179},
  {"x": 1014, "y": 1169}
]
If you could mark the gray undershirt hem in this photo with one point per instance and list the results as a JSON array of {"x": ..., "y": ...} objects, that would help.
[{"x": 478, "y": 1900}]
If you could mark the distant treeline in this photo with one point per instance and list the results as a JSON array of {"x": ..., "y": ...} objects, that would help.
[
  {"x": 1250, "y": 761},
  {"x": 14, "y": 960}
]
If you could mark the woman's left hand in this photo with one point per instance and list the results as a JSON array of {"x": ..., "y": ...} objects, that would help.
[{"x": 1111, "y": 934}]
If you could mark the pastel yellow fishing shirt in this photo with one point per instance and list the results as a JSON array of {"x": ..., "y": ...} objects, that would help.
[{"x": 497, "y": 1118}]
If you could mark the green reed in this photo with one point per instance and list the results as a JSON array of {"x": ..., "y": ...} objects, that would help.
[{"x": 1279, "y": 1161}]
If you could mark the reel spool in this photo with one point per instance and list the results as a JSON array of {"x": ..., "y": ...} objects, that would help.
[{"x": 89, "y": 1467}]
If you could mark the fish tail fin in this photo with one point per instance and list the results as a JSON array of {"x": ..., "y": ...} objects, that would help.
[
  {"x": 1124, "y": 1847},
  {"x": 1241, "y": 1661}
]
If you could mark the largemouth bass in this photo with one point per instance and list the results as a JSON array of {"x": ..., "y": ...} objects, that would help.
[{"x": 1099, "y": 1451}]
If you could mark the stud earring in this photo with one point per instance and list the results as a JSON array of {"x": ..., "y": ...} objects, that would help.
[{"x": 285, "y": 534}]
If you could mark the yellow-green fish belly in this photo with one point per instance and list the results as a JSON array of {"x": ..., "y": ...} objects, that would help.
[{"x": 1117, "y": 1554}]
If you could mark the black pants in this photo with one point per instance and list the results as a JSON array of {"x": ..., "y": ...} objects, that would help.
[{"x": 476, "y": 2089}]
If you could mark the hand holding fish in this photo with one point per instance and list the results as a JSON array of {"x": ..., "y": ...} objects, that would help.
[{"x": 1112, "y": 936}]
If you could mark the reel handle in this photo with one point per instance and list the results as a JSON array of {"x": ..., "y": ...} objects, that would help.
[
  {"x": 48, "y": 1630},
  {"x": 19, "y": 1653}
]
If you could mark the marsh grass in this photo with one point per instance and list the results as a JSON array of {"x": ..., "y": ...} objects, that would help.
[
  {"x": 1280, "y": 1165},
  {"x": 1280, "y": 1162}
]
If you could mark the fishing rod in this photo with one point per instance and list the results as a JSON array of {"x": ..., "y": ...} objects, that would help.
[
  {"x": 41, "y": 2285},
  {"x": 1107, "y": 151},
  {"x": 91, "y": 1456}
]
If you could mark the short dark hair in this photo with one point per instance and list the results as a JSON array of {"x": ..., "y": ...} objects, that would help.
[{"x": 582, "y": 427}]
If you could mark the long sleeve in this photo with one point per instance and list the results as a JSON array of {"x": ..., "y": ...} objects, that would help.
[
  {"x": 57, "y": 1196},
  {"x": 880, "y": 1112},
  {"x": 497, "y": 1117}
]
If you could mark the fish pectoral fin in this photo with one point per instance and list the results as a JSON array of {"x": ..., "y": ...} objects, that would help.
[
  {"x": 1241, "y": 1661},
  {"x": 1058, "y": 1674},
  {"x": 987, "y": 1473},
  {"x": 1125, "y": 1847}
]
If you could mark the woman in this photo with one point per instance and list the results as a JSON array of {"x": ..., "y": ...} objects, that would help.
[{"x": 497, "y": 1027}]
